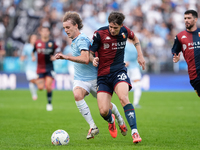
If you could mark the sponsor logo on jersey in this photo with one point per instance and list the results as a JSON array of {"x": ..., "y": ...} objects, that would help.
[
  {"x": 107, "y": 38},
  {"x": 119, "y": 43},
  {"x": 191, "y": 45},
  {"x": 183, "y": 37},
  {"x": 184, "y": 47},
  {"x": 45, "y": 51},
  {"x": 194, "y": 43},
  {"x": 106, "y": 46}
]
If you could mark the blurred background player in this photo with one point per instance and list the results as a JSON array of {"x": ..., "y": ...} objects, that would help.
[
  {"x": 85, "y": 73},
  {"x": 30, "y": 66},
  {"x": 133, "y": 70},
  {"x": 45, "y": 49},
  {"x": 188, "y": 41}
]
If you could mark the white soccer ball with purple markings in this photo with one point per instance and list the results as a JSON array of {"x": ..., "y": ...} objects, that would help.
[{"x": 60, "y": 137}]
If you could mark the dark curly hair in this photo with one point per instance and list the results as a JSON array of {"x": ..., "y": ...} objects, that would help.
[{"x": 116, "y": 18}]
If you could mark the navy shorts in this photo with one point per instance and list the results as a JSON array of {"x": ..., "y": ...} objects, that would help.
[
  {"x": 48, "y": 73},
  {"x": 108, "y": 82},
  {"x": 196, "y": 85}
]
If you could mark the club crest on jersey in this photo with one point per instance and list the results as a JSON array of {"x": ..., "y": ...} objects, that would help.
[
  {"x": 124, "y": 36},
  {"x": 199, "y": 34},
  {"x": 50, "y": 44}
]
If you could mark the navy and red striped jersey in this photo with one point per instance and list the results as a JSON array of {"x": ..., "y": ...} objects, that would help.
[
  {"x": 110, "y": 49},
  {"x": 44, "y": 52},
  {"x": 189, "y": 44}
]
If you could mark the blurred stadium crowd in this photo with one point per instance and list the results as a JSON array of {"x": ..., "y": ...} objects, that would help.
[{"x": 155, "y": 22}]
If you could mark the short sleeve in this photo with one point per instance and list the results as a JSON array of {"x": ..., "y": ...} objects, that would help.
[
  {"x": 176, "y": 49},
  {"x": 95, "y": 42}
]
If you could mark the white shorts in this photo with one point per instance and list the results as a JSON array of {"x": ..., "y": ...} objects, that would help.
[
  {"x": 30, "y": 75},
  {"x": 89, "y": 86},
  {"x": 134, "y": 74}
]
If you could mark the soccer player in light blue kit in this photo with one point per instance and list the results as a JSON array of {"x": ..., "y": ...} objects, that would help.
[
  {"x": 85, "y": 74},
  {"x": 31, "y": 66},
  {"x": 134, "y": 72}
]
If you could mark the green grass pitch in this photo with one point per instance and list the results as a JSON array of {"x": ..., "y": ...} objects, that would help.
[{"x": 166, "y": 121}]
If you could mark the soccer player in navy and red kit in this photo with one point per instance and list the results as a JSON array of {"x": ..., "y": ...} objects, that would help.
[
  {"x": 188, "y": 41},
  {"x": 109, "y": 42},
  {"x": 45, "y": 49}
]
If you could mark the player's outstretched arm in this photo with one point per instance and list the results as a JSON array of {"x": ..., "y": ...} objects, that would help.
[
  {"x": 176, "y": 58},
  {"x": 60, "y": 56},
  {"x": 83, "y": 58}
]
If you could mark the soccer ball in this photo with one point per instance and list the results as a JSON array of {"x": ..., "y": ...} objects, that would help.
[{"x": 60, "y": 137}]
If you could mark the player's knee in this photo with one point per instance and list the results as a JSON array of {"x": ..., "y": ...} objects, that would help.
[
  {"x": 78, "y": 97},
  {"x": 123, "y": 99},
  {"x": 40, "y": 87},
  {"x": 103, "y": 112}
]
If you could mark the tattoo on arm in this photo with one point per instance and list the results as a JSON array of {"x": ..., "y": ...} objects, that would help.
[{"x": 136, "y": 44}]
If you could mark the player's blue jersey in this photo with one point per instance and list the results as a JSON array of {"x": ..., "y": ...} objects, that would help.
[
  {"x": 131, "y": 56},
  {"x": 27, "y": 52},
  {"x": 110, "y": 49},
  {"x": 82, "y": 72}
]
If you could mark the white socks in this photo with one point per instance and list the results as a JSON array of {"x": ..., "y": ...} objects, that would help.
[
  {"x": 85, "y": 111},
  {"x": 33, "y": 89},
  {"x": 137, "y": 93},
  {"x": 134, "y": 131},
  {"x": 117, "y": 114}
]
